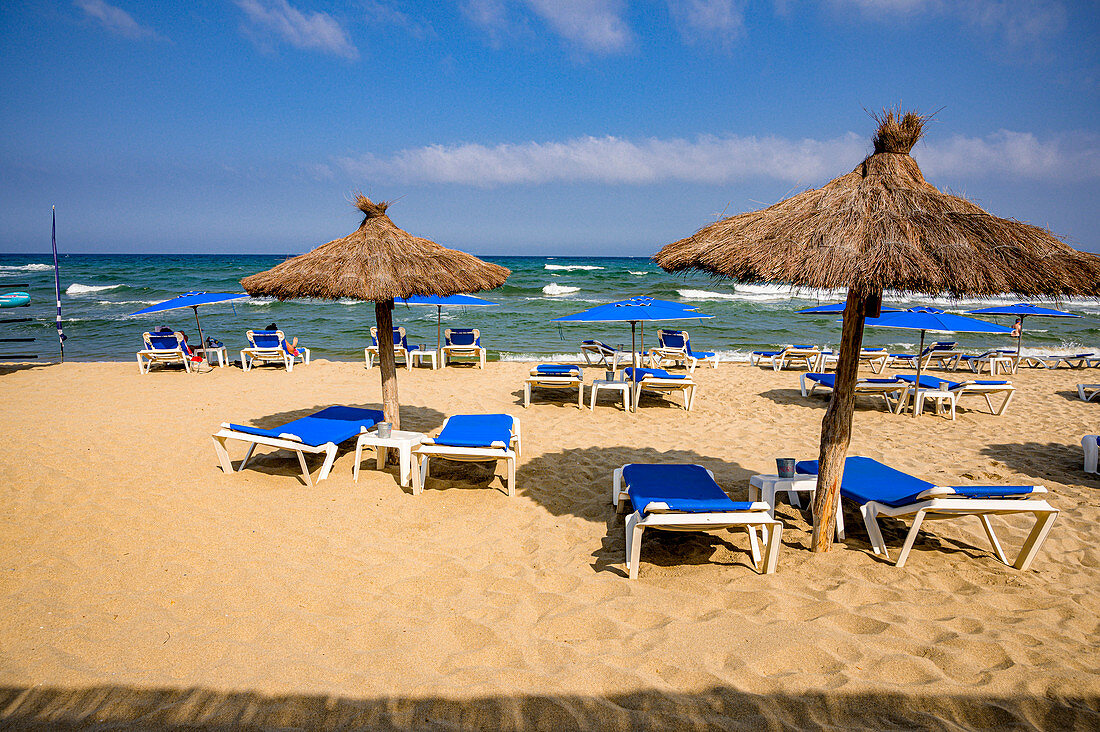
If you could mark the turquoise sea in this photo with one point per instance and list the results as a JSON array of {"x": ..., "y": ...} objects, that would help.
[{"x": 100, "y": 291}]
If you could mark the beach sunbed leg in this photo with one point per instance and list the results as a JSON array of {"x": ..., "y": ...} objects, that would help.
[
  {"x": 754, "y": 546},
  {"x": 690, "y": 397},
  {"x": 992, "y": 537},
  {"x": 305, "y": 468},
  {"x": 910, "y": 539},
  {"x": 247, "y": 456},
  {"x": 616, "y": 488},
  {"x": 1004, "y": 405},
  {"x": 633, "y": 544},
  {"x": 223, "y": 454},
  {"x": 839, "y": 519},
  {"x": 870, "y": 521},
  {"x": 423, "y": 472},
  {"x": 1043, "y": 522},
  {"x": 511, "y": 476},
  {"x": 771, "y": 552},
  {"x": 527, "y": 395},
  {"x": 580, "y": 395}
]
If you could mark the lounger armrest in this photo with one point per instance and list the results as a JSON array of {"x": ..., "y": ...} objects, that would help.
[
  {"x": 289, "y": 436},
  {"x": 498, "y": 443},
  {"x": 428, "y": 441}
]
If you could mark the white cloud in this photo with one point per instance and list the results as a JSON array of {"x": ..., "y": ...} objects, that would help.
[
  {"x": 715, "y": 160},
  {"x": 310, "y": 31},
  {"x": 712, "y": 21},
  {"x": 116, "y": 20},
  {"x": 596, "y": 26},
  {"x": 1019, "y": 22}
]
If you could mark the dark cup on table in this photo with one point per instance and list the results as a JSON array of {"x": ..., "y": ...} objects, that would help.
[
  {"x": 609, "y": 375},
  {"x": 385, "y": 429},
  {"x": 785, "y": 467}
]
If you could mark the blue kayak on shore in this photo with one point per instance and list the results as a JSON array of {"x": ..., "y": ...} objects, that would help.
[{"x": 14, "y": 299}]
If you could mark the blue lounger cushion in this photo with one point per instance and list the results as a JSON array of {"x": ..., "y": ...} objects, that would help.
[
  {"x": 553, "y": 369},
  {"x": 766, "y": 353},
  {"x": 659, "y": 373},
  {"x": 331, "y": 424},
  {"x": 476, "y": 430},
  {"x": 867, "y": 480},
  {"x": 684, "y": 488},
  {"x": 829, "y": 380}
]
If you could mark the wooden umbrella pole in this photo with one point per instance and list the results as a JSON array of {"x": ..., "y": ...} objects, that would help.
[
  {"x": 836, "y": 427},
  {"x": 383, "y": 313}
]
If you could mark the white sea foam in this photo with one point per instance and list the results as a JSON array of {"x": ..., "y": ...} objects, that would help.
[
  {"x": 25, "y": 267},
  {"x": 127, "y": 302},
  {"x": 556, "y": 289},
  {"x": 78, "y": 289},
  {"x": 572, "y": 267},
  {"x": 542, "y": 357},
  {"x": 705, "y": 295},
  {"x": 637, "y": 274}
]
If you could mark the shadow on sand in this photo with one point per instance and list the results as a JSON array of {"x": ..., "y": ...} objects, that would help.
[{"x": 716, "y": 707}]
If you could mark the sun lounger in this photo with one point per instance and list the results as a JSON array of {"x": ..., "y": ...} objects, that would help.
[
  {"x": 461, "y": 342},
  {"x": 881, "y": 490},
  {"x": 1088, "y": 392},
  {"x": 788, "y": 356},
  {"x": 955, "y": 390},
  {"x": 320, "y": 432},
  {"x": 554, "y": 376},
  {"x": 603, "y": 354},
  {"x": 675, "y": 348},
  {"x": 885, "y": 388},
  {"x": 992, "y": 360},
  {"x": 1073, "y": 361},
  {"x": 1091, "y": 445},
  {"x": 401, "y": 347},
  {"x": 270, "y": 345},
  {"x": 661, "y": 382},
  {"x": 476, "y": 438},
  {"x": 686, "y": 498},
  {"x": 943, "y": 352},
  {"x": 164, "y": 348}
]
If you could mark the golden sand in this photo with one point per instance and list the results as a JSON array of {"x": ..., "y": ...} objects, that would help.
[{"x": 140, "y": 586}]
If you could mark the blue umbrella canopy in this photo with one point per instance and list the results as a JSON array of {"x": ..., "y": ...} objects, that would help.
[
  {"x": 192, "y": 300},
  {"x": 837, "y": 308},
  {"x": 931, "y": 319},
  {"x": 466, "y": 301}
]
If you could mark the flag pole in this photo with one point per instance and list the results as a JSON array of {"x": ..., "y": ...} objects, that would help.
[{"x": 57, "y": 281}]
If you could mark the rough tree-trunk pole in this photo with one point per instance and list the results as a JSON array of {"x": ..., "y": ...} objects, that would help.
[
  {"x": 387, "y": 364},
  {"x": 836, "y": 427}
]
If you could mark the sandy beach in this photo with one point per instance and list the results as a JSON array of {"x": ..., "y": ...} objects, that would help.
[{"x": 143, "y": 587}]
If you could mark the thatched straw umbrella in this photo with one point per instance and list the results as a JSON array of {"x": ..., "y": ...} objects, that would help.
[
  {"x": 882, "y": 226},
  {"x": 378, "y": 262}
]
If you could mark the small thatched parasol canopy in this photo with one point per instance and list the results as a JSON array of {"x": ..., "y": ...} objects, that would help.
[
  {"x": 884, "y": 227},
  {"x": 881, "y": 227},
  {"x": 378, "y": 262}
]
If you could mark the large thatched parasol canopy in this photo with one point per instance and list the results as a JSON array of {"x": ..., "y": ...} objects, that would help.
[
  {"x": 378, "y": 262},
  {"x": 881, "y": 227}
]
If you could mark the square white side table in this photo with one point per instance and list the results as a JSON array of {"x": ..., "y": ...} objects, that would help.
[
  {"x": 420, "y": 355},
  {"x": 205, "y": 353},
  {"x": 939, "y": 395},
  {"x": 623, "y": 387},
  {"x": 764, "y": 488},
  {"x": 399, "y": 440}
]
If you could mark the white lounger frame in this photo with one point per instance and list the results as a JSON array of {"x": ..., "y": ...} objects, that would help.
[
  {"x": 789, "y": 356},
  {"x": 552, "y": 382},
  {"x": 146, "y": 357},
  {"x": 250, "y": 355},
  {"x": 809, "y": 386},
  {"x": 607, "y": 356},
  {"x": 497, "y": 452},
  {"x": 371, "y": 352},
  {"x": 1073, "y": 362},
  {"x": 1088, "y": 392},
  {"x": 664, "y": 386},
  {"x": 967, "y": 388},
  {"x": 472, "y": 350},
  {"x": 285, "y": 441},
  {"x": 937, "y": 503},
  {"x": 657, "y": 516},
  {"x": 1092, "y": 453}
]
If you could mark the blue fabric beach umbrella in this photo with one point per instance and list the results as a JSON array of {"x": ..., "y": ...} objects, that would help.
[
  {"x": 1022, "y": 310},
  {"x": 634, "y": 310},
  {"x": 465, "y": 301},
  {"x": 931, "y": 319},
  {"x": 192, "y": 300}
]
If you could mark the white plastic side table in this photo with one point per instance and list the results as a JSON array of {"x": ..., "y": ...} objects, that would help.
[
  {"x": 399, "y": 440},
  {"x": 623, "y": 387},
  {"x": 764, "y": 488},
  {"x": 206, "y": 351},
  {"x": 939, "y": 395},
  {"x": 420, "y": 355}
]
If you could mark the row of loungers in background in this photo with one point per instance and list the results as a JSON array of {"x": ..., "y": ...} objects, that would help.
[
  {"x": 464, "y": 437},
  {"x": 673, "y": 349},
  {"x": 265, "y": 346},
  {"x": 677, "y": 497},
  {"x": 458, "y": 343},
  {"x": 635, "y": 381},
  {"x": 896, "y": 391},
  {"x": 687, "y": 498}
]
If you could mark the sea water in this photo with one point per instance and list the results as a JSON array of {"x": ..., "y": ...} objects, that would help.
[{"x": 99, "y": 293}]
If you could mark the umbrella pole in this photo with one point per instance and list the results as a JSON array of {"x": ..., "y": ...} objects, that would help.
[
  {"x": 916, "y": 386},
  {"x": 439, "y": 333},
  {"x": 387, "y": 364},
  {"x": 202, "y": 341},
  {"x": 1020, "y": 340},
  {"x": 633, "y": 363},
  {"x": 836, "y": 427}
]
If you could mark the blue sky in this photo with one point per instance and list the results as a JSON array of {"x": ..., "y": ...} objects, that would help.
[{"x": 522, "y": 126}]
